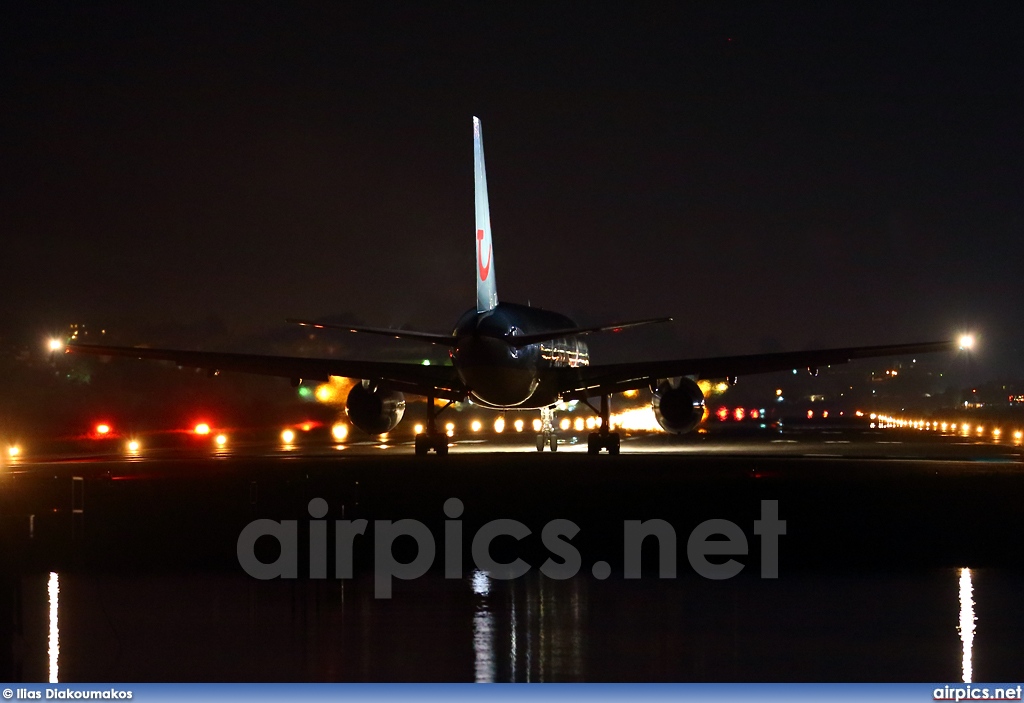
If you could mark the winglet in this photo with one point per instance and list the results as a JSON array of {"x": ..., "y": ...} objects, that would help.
[{"x": 486, "y": 290}]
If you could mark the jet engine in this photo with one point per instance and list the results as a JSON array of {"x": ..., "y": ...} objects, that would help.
[
  {"x": 678, "y": 405},
  {"x": 374, "y": 411}
]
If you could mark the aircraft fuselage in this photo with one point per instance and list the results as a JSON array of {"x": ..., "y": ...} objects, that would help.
[{"x": 502, "y": 375}]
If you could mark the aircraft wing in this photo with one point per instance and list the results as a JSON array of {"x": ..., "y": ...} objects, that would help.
[
  {"x": 587, "y": 381},
  {"x": 439, "y": 381}
]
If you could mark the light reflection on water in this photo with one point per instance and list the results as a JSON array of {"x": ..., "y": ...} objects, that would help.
[
  {"x": 211, "y": 627},
  {"x": 53, "y": 641},
  {"x": 966, "y": 626}
]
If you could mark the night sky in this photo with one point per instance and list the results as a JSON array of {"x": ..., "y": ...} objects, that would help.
[{"x": 773, "y": 178}]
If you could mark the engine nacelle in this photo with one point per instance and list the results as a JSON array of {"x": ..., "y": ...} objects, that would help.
[
  {"x": 680, "y": 408},
  {"x": 375, "y": 412}
]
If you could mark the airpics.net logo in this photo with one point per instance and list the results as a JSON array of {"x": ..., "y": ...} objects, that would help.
[{"x": 710, "y": 547}]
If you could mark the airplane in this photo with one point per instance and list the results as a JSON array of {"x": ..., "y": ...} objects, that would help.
[{"x": 511, "y": 357}]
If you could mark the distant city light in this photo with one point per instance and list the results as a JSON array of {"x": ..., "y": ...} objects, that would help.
[
  {"x": 13, "y": 451},
  {"x": 56, "y": 345},
  {"x": 450, "y": 429},
  {"x": 966, "y": 341},
  {"x": 564, "y": 424},
  {"x": 476, "y": 425},
  {"x": 133, "y": 446},
  {"x": 578, "y": 424},
  {"x": 537, "y": 425},
  {"x": 519, "y": 424},
  {"x": 499, "y": 425}
]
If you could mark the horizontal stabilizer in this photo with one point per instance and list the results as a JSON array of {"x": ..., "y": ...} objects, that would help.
[
  {"x": 527, "y": 339},
  {"x": 429, "y": 337}
]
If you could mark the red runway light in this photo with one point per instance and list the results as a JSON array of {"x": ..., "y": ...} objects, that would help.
[{"x": 102, "y": 429}]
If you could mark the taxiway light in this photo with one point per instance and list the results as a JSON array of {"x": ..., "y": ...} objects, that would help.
[
  {"x": 220, "y": 440},
  {"x": 340, "y": 431},
  {"x": 202, "y": 428},
  {"x": 475, "y": 425},
  {"x": 288, "y": 436},
  {"x": 133, "y": 446},
  {"x": 13, "y": 451}
]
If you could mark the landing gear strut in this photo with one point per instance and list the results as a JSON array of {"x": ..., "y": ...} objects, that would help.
[
  {"x": 547, "y": 434},
  {"x": 433, "y": 438},
  {"x": 604, "y": 438}
]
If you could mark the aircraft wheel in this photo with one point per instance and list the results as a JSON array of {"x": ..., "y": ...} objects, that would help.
[
  {"x": 613, "y": 443},
  {"x": 540, "y": 443},
  {"x": 422, "y": 444},
  {"x": 593, "y": 443},
  {"x": 553, "y": 441},
  {"x": 441, "y": 447}
]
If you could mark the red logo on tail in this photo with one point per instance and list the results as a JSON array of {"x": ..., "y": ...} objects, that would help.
[{"x": 483, "y": 270}]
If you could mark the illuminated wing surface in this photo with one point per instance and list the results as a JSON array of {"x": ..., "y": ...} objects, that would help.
[
  {"x": 587, "y": 381},
  {"x": 439, "y": 381}
]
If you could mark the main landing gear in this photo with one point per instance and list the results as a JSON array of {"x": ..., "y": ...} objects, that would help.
[
  {"x": 547, "y": 434},
  {"x": 604, "y": 438},
  {"x": 433, "y": 438}
]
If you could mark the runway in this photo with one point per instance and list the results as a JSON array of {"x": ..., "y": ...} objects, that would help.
[{"x": 879, "y": 527}]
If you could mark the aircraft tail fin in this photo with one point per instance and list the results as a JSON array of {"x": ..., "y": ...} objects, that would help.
[{"x": 486, "y": 290}]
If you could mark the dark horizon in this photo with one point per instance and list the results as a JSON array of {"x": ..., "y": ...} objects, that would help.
[{"x": 772, "y": 179}]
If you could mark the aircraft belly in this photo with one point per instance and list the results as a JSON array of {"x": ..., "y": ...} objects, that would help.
[{"x": 500, "y": 386}]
